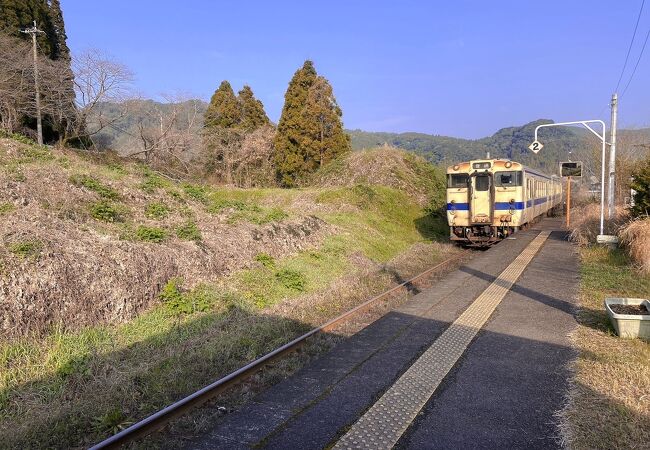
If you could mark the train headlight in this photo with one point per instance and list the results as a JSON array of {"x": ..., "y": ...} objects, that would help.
[
  {"x": 456, "y": 167},
  {"x": 508, "y": 164}
]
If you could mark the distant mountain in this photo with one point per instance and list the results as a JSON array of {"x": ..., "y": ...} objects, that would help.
[
  {"x": 560, "y": 143},
  {"x": 128, "y": 118},
  {"x": 512, "y": 143}
]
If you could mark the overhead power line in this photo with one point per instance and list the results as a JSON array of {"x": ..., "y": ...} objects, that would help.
[
  {"x": 637, "y": 63},
  {"x": 629, "y": 49}
]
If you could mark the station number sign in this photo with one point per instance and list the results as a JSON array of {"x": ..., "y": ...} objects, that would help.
[{"x": 535, "y": 147}]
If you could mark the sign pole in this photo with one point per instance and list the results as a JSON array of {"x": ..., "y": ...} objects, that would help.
[
  {"x": 568, "y": 201},
  {"x": 586, "y": 123}
]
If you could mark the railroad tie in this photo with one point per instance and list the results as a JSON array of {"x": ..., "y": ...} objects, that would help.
[{"x": 385, "y": 422}]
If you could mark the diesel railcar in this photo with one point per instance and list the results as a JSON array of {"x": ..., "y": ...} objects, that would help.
[{"x": 489, "y": 199}]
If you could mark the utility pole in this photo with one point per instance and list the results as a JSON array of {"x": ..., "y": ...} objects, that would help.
[
  {"x": 39, "y": 124},
  {"x": 611, "y": 193}
]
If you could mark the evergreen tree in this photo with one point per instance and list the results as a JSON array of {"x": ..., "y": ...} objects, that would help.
[
  {"x": 289, "y": 158},
  {"x": 61, "y": 50},
  {"x": 223, "y": 110},
  {"x": 641, "y": 184},
  {"x": 16, "y": 15},
  {"x": 323, "y": 138},
  {"x": 310, "y": 132},
  {"x": 253, "y": 115}
]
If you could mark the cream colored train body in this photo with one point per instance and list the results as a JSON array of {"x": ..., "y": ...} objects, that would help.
[{"x": 489, "y": 199}]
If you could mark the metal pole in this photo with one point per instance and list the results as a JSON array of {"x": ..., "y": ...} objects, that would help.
[
  {"x": 586, "y": 123},
  {"x": 611, "y": 194},
  {"x": 568, "y": 202},
  {"x": 602, "y": 186}
]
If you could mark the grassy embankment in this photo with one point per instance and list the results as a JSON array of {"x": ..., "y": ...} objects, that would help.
[
  {"x": 70, "y": 387},
  {"x": 610, "y": 402}
]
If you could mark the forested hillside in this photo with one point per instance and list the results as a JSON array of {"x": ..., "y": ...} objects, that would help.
[{"x": 512, "y": 143}]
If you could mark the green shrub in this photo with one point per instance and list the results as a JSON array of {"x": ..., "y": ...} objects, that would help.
[
  {"x": 175, "y": 195},
  {"x": 6, "y": 208},
  {"x": 63, "y": 162},
  {"x": 180, "y": 302},
  {"x": 152, "y": 181},
  {"x": 291, "y": 279},
  {"x": 273, "y": 215},
  {"x": 196, "y": 192},
  {"x": 17, "y": 137},
  {"x": 266, "y": 260},
  {"x": 189, "y": 231},
  {"x": 93, "y": 184},
  {"x": 35, "y": 153},
  {"x": 106, "y": 212},
  {"x": 26, "y": 249},
  {"x": 117, "y": 168},
  {"x": 641, "y": 184},
  {"x": 218, "y": 205},
  {"x": 156, "y": 210},
  {"x": 150, "y": 234},
  {"x": 112, "y": 422}
]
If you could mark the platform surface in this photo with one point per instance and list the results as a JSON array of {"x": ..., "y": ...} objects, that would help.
[{"x": 503, "y": 391}]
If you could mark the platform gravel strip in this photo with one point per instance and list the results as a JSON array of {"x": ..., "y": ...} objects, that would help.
[{"x": 385, "y": 422}]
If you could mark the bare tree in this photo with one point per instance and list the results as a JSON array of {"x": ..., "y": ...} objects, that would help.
[
  {"x": 70, "y": 99},
  {"x": 15, "y": 74},
  {"x": 238, "y": 157},
  {"x": 98, "y": 79},
  {"x": 167, "y": 134}
]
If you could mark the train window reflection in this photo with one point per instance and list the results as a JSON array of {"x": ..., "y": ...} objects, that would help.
[
  {"x": 506, "y": 179},
  {"x": 457, "y": 180}
]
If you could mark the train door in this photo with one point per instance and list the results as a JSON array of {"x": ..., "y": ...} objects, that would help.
[{"x": 481, "y": 200}]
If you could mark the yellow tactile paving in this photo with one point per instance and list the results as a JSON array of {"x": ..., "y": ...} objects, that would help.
[{"x": 385, "y": 422}]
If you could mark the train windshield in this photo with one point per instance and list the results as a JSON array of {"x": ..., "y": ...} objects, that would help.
[
  {"x": 457, "y": 180},
  {"x": 508, "y": 179}
]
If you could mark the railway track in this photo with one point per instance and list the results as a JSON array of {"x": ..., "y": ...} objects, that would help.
[{"x": 159, "y": 419}]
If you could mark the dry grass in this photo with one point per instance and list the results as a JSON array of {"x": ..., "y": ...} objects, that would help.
[
  {"x": 89, "y": 244},
  {"x": 386, "y": 166},
  {"x": 104, "y": 251},
  {"x": 586, "y": 223},
  {"x": 609, "y": 405},
  {"x": 636, "y": 237}
]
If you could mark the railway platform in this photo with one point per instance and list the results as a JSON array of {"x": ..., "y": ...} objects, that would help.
[{"x": 479, "y": 360}]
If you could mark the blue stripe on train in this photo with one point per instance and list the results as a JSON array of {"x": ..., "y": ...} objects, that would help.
[
  {"x": 458, "y": 206},
  {"x": 501, "y": 205},
  {"x": 508, "y": 205}
]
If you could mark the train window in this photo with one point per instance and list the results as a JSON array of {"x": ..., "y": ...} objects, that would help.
[
  {"x": 457, "y": 180},
  {"x": 482, "y": 183},
  {"x": 506, "y": 179}
]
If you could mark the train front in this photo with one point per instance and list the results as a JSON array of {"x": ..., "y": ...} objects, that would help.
[{"x": 484, "y": 200}]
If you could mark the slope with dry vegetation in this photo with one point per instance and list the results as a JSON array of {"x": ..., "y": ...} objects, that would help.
[{"x": 122, "y": 290}]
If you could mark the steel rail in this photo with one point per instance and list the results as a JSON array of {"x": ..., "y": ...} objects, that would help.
[{"x": 167, "y": 414}]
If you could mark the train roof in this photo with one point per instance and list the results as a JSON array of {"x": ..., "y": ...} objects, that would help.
[{"x": 494, "y": 164}]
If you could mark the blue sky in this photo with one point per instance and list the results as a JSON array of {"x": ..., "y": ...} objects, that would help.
[{"x": 461, "y": 68}]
